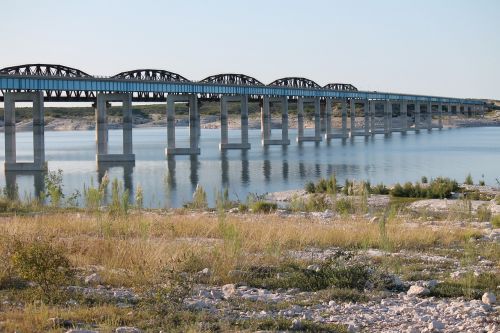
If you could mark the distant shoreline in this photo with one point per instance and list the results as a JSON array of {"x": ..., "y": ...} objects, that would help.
[{"x": 211, "y": 122}]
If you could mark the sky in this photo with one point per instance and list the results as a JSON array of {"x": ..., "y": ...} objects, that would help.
[{"x": 433, "y": 47}]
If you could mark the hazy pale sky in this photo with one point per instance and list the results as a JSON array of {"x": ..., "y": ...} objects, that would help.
[{"x": 437, "y": 47}]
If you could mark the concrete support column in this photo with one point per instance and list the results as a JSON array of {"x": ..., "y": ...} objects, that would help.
[
  {"x": 404, "y": 116},
  {"x": 284, "y": 121},
  {"x": 11, "y": 163},
  {"x": 429, "y": 116},
  {"x": 266, "y": 121},
  {"x": 417, "y": 116},
  {"x": 345, "y": 134},
  {"x": 440, "y": 115},
  {"x": 223, "y": 123},
  {"x": 300, "y": 118},
  {"x": 127, "y": 126},
  {"x": 353, "y": 117},
  {"x": 193, "y": 148},
  {"x": 388, "y": 117},
  {"x": 450, "y": 111},
  {"x": 224, "y": 143},
  {"x": 366, "y": 111},
  {"x": 244, "y": 121},
  {"x": 103, "y": 101},
  {"x": 328, "y": 116},
  {"x": 372, "y": 116},
  {"x": 317, "y": 119}
]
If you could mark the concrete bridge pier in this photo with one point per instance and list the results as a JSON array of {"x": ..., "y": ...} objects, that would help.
[
  {"x": 317, "y": 120},
  {"x": 388, "y": 118},
  {"x": 266, "y": 121},
  {"x": 365, "y": 131},
  {"x": 345, "y": 133},
  {"x": 373, "y": 105},
  {"x": 440, "y": 116},
  {"x": 366, "y": 111},
  {"x": 404, "y": 116},
  {"x": 243, "y": 144},
  {"x": 328, "y": 118},
  {"x": 429, "y": 116},
  {"x": 10, "y": 99},
  {"x": 417, "y": 116},
  {"x": 103, "y": 101},
  {"x": 193, "y": 148}
]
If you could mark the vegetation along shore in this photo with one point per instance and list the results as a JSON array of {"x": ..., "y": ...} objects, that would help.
[{"x": 352, "y": 257}]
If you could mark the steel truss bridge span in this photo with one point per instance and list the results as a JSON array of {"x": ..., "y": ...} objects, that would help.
[{"x": 66, "y": 84}]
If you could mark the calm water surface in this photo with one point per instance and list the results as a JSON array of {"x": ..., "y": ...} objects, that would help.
[{"x": 170, "y": 183}]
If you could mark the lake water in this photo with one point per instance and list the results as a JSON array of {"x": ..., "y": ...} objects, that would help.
[{"x": 170, "y": 183}]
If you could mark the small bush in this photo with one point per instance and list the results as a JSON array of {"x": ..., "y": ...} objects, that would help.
[
  {"x": 53, "y": 183},
  {"x": 344, "y": 206},
  {"x": 495, "y": 221},
  {"x": 482, "y": 183},
  {"x": 438, "y": 188},
  {"x": 379, "y": 189},
  {"x": 263, "y": 206},
  {"x": 338, "y": 272},
  {"x": 424, "y": 180},
  {"x": 468, "y": 180},
  {"x": 44, "y": 264},
  {"x": 317, "y": 203},
  {"x": 310, "y": 188},
  {"x": 323, "y": 186}
]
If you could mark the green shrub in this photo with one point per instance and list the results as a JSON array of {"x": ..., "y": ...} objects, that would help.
[
  {"x": 336, "y": 272},
  {"x": 119, "y": 198},
  {"x": 468, "y": 180},
  {"x": 379, "y": 189},
  {"x": 441, "y": 188},
  {"x": 43, "y": 264},
  {"x": 438, "y": 188},
  {"x": 317, "y": 203},
  {"x": 424, "y": 180},
  {"x": 310, "y": 187},
  {"x": 93, "y": 196},
  {"x": 495, "y": 221},
  {"x": 7, "y": 270},
  {"x": 323, "y": 186},
  {"x": 263, "y": 206},
  {"x": 482, "y": 183},
  {"x": 344, "y": 206},
  {"x": 53, "y": 184}
]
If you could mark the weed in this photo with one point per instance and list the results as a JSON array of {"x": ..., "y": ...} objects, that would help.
[
  {"x": 263, "y": 206},
  {"x": 199, "y": 199},
  {"x": 53, "y": 183},
  {"x": 468, "y": 180},
  {"x": 139, "y": 197},
  {"x": 483, "y": 213},
  {"x": 379, "y": 189}
]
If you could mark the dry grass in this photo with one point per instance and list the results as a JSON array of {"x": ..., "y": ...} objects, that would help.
[
  {"x": 133, "y": 250},
  {"x": 142, "y": 244}
]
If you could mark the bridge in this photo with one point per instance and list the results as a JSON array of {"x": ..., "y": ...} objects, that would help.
[{"x": 380, "y": 112}]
